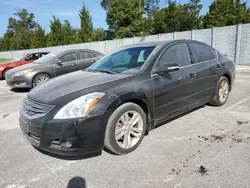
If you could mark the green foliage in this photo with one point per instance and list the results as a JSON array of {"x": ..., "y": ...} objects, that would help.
[
  {"x": 226, "y": 12},
  {"x": 98, "y": 35},
  {"x": 39, "y": 39},
  {"x": 131, "y": 17},
  {"x": 159, "y": 23},
  {"x": 86, "y": 25},
  {"x": 55, "y": 37},
  {"x": 19, "y": 31},
  {"x": 178, "y": 17}
]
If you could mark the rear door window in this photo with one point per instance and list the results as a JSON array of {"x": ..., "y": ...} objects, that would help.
[
  {"x": 85, "y": 55},
  {"x": 202, "y": 52}
]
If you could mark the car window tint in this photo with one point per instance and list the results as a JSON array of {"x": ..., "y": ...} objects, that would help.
[
  {"x": 122, "y": 58},
  {"x": 85, "y": 55},
  {"x": 68, "y": 57},
  {"x": 177, "y": 53},
  {"x": 201, "y": 52},
  {"x": 130, "y": 60},
  {"x": 29, "y": 58}
]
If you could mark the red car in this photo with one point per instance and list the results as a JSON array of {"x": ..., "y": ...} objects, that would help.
[{"x": 24, "y": 59}]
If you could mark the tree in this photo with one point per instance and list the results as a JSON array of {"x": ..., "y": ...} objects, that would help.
[
  {"x": 129, "y": 18},
  {"x": 39, "y": 39},
  {"x": 98, "y": 35},
  {"x": 177, "y": 17},
  {"x": 19, "y": 31},
  {"x": 159, "y": 23},
  {"x": 55, "y": 37},
  {"x": 69, "y": 34},
  {"x": 86, "y": 24},
  {"x": 226, "y": 12},
  {"x": 1, "y": 44},
  {"x": 194, "y": 18}
]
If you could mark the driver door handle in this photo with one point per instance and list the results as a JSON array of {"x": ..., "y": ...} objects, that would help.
[
  {"x": 191, "y": 76},
  {"x": 74, "y": 64}
]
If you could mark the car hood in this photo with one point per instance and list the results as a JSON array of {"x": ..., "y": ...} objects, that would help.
[
  {"x": 73, "y": 85},
  {"x": 22, "y": 68},
  {"x": 8, "y": 62}
]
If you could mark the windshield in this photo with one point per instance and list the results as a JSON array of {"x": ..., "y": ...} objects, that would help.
[
  {"x": 47, "y": 59},
  {"x": 129, "y": 60},
  {"x": 19, "y": 58}
]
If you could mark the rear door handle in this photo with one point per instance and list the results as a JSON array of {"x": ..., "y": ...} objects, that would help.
[
  {"x": 74, "y": 64},
  {"x": 218, "y": 66},
  {"x": 93, "y": 61},
  {"x": 191, "y": 76}
]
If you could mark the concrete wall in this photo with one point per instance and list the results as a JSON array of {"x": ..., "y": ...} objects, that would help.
[{"x": 232, "y": 40}]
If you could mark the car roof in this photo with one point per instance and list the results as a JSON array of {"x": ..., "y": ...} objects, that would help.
[
  {"x": 74, "y": 49},
  {"x": 161, "y": 42},
  {"x": 37, "y": 52}
]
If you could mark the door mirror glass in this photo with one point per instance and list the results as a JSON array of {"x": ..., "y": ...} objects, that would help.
[
  {"x": 166, "y": 67},
  {"x": 59, "y": 62}
]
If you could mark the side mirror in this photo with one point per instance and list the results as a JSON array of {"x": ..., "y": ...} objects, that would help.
[
  {"x": 59, "y": 62},
  {"x": 166, "y": 67}
]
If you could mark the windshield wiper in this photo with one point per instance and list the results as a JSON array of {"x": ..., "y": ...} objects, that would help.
[{"x": 105, "y": 71}]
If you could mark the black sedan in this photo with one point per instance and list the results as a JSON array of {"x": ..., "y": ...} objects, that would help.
[
  {"x": 49, "y": 66},
  {"x": 123, "y": 95}
]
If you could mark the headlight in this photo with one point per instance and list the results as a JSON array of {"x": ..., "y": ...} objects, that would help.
[
  {"x": 25, "y": 72},
  {"x": 79, "y": 107}
]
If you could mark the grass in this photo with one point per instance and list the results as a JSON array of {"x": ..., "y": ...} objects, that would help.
[{"x": 4, "y": 60}]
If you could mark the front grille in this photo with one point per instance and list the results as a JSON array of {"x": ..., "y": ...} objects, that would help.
[{"x": 32, "y": 108}]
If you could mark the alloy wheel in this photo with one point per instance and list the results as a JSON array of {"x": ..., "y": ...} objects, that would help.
[
  {"x": 129, "y": 129},
  {"x": 223, "y": 91},
  {"x": 42, "y": 79}
]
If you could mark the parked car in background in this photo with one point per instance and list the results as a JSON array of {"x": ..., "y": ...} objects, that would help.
[
  {"x": 126, "y": 93},
  {"x": 54, "y": 64},
  {"x": 22, "y": 60}
]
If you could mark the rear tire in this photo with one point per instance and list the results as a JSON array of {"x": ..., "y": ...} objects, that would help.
[
  {"x": 40, "y": 79},
  {"x": 222, "y": 92},
  {"x": 5, "y": 71},
  {"x": 125, "y": 129}
]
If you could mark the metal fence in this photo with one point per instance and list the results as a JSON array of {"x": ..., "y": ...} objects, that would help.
[{"x": 231, "y": 40}]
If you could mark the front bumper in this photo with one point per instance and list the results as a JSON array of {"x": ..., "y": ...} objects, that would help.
[
  {"x": 19, "y": 82},
  {"x": 83, "y": 136}
]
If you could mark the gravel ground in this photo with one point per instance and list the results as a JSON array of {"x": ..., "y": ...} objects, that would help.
[{"x": 209, "y": 147}]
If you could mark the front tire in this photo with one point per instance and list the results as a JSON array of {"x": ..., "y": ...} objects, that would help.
[
  {"x": 222, "y": 92},
  {"x": 125, "y": 129},
  {"x": 40, "y": 79}
]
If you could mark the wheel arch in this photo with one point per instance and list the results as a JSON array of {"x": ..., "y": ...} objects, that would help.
[
  {"x": 228, "y": 76},
  {"x": 144, "y": 104},
  {"x": 38, "y": 74},
  {"x": 6, "y": 68}
]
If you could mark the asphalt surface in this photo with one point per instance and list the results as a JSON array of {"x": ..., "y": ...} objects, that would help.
[{"x": 209, "y": 147}]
